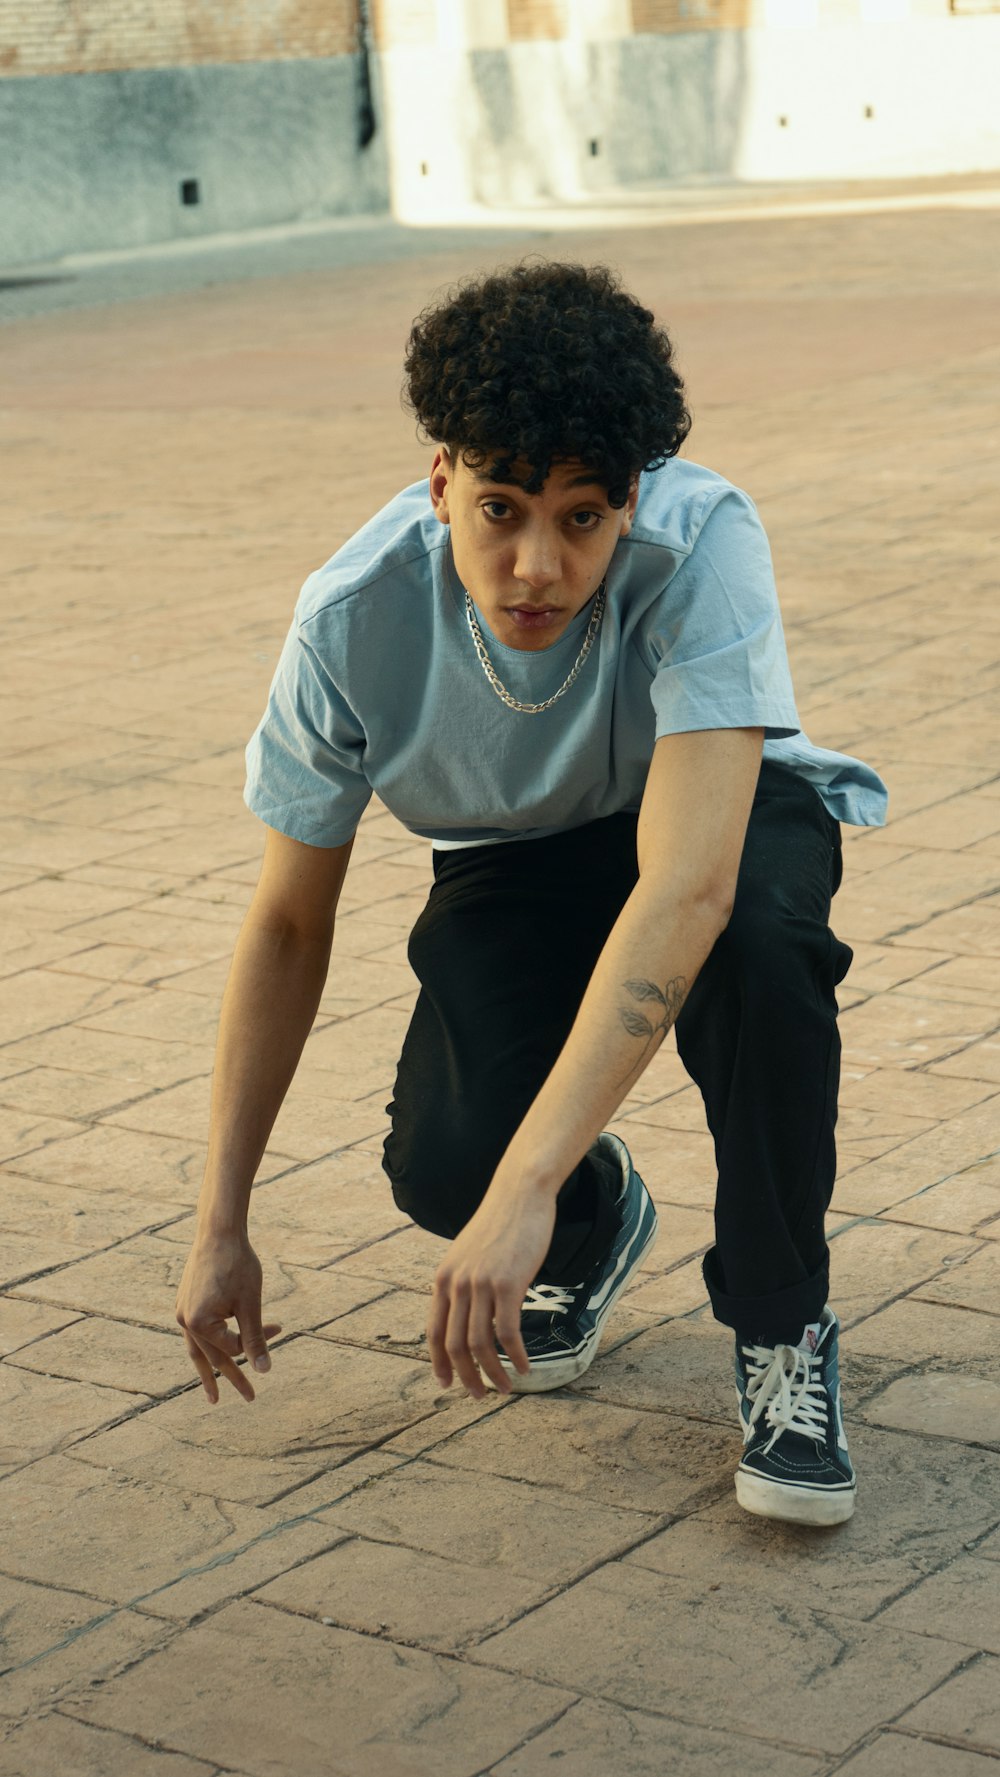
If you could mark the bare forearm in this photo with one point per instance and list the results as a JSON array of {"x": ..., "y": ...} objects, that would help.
[
  {"x": 639, "y": 985},
  {"x": 268, "y": 1009}
]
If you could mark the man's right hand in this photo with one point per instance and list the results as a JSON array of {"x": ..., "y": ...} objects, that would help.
[{"x": 222, "y": 1281}]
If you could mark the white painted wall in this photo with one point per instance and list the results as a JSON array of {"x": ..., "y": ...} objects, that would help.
[{"x": 476, "y": 120}]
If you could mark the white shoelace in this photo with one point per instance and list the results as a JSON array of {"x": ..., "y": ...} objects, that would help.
[
  {"x": 785, "y": 1391},
  {"x": 548, "y": 1298}
]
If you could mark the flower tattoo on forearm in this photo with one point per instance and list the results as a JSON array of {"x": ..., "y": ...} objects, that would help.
[{"x": 663, "y": 1007}]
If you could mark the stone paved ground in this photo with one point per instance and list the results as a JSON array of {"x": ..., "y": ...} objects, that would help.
[{"x": 358, "y": 1576}]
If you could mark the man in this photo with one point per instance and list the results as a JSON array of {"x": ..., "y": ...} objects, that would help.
[{"x": 561, "y": 659}]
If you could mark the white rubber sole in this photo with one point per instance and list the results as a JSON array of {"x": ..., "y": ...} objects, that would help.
[
  {"x": 793, "y": 1505},
  {"x": 560, "y": 1371}
]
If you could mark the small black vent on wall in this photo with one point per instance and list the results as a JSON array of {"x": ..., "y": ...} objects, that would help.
[{"x": 190, "y": 193}]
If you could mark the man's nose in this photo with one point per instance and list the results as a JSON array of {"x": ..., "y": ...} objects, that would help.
[{"x": 537, "y": 561}]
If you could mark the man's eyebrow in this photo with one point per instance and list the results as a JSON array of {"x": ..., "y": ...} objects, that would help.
[{"x": 586, "y": 480}]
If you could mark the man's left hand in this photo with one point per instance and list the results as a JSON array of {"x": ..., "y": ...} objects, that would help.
[{"x": 481, "y": 1284}]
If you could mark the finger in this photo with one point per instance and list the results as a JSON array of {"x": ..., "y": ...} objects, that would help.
[
  {"x": 252, "y": 1336},
  {"x": 203, "y": 1367},
  {"x": 482, "y": 1344},
  {"x": 437, "y": 1322},
  {"x": 457, "y": 1342},
  {"x": 215, "y": 1333},
  {"x": 224, "y": 1364},
  {"x": 508, "y": 1326}
]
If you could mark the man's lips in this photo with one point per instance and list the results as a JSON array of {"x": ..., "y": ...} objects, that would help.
[{"x": 533, "y": 616}]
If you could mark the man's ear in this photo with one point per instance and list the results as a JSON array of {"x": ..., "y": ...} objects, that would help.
[
  {"x": 628, "y": 510},
  {"x": 442, "y": 470}
]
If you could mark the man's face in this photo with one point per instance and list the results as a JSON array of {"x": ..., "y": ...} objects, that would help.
[{"x": 530, "y": 562}]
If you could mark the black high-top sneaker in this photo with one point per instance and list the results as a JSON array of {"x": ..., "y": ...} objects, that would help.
[
  {"x": 795, "y": 1463},
  {"x": 561, "y": 1324}
]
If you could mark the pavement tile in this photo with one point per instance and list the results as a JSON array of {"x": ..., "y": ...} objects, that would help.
[
  {"x": 43, "y": 1414},
  {"x": 138, "y": 1279},
  {"x": 596, "y": 1739},
  {"x": 917, "y": 1094},
  {"x": 52, "y": 1652},
  {"x": 870, "y": 1262},
  {"x": 315, "y": 1214},
  {"x": 864, "y": 1133},
  {"x": 668, "y": 1645},
  {"x": 913, "y": 1515},
  {"x": 313, "y": 1122},
  {"x": 405, "y": 1594},
  {"x": 56, "y": 1743},
  {"x": 683, "y": 1367},
  {"x": 973, "y": 930},
  {"x": 976, "y": 1061},
  {"x": 320, "y": 1405},
  {"x": 23, "y": 1322},
  {"x": 927, "y": 784},
  {"x": 27, "y": 948},
  {"x": 56, "y": 901},
  {"x": 352, "y": 1048},
  {"x": 21, "y": 1132},
  {"x": 43, "y": 1000},
  {"x": 963, "y": 1408},
  {"x": 58, "y": 1092},
  {"x": 155, "y": 930},
  {"x": 24, "y": 1256},
  {"x": 538, "y": 1532},
  {"x": 905, "y": 1755},
  {"x": 81, "y": 1218},
  {"x": 407, "y": 1259},
  {"x": 58, "y": 845},
  {"x": 174, "y": 1110},
  {"x": 967, "y": 1707},
  {"x": 434, "y": 1713},
  {"x": 106, "y": 1158},
  {"x": 958, "y": 1603},
  {"x": 897, "y": 1029},
  {"x": 648, "y": 1462},
  {"x": 915, "y": 1330},
  {"x": 132, "y": 1061},
  {"x": 166, "y": 1017},
  {"x": 111, "y": 1354},
  {"x": 958, "y": 977},
  {"x": 668, "y": 1293},
  {"x": 972, "y": 1283},
  {"x": 961, "y": 1204},
  {"x": 125, "y": 1541}
]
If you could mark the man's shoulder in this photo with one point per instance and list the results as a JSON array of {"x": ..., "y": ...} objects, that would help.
[
  {"x": 676, "y": 501},
  {"x": 394, "y": 548}
]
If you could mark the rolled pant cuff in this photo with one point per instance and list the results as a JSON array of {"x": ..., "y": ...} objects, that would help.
[{"x": 768, "y": 1320}]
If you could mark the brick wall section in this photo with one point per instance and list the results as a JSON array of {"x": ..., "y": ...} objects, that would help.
[
  {"x": 94, "y": 36},
  {"x": 657, "y": 16},
  {"x": 536, "y": 18}
]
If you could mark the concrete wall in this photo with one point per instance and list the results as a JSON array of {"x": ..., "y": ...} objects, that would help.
[{"x": 96, "y": 161}]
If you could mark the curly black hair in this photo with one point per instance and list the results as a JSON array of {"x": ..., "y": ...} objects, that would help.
[{"x": 542, "y": 363}]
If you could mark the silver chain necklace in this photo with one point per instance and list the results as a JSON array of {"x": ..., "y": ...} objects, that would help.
[{"x": 534, "y": 709}]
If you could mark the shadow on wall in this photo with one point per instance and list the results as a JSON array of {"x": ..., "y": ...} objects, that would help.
[{"x": 566, "y": 120}]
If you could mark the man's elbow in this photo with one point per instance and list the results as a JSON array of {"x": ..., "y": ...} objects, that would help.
[{"x": 707, "y": 900}]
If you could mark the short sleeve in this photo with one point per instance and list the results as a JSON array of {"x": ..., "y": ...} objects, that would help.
[
  {"x": 305, "y": 761},
  {"x": 716, "y": 636}
]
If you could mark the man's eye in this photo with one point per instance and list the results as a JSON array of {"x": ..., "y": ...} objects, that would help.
[
  {"x": 495, "y": 509},
  {"x": 585, "y": 521}
]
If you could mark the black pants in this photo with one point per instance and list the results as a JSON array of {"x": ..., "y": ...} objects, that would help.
[{"x": 504, "y": 949}]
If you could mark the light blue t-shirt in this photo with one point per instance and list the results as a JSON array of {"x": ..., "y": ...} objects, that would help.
[{"x": 379, "y": 688}]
